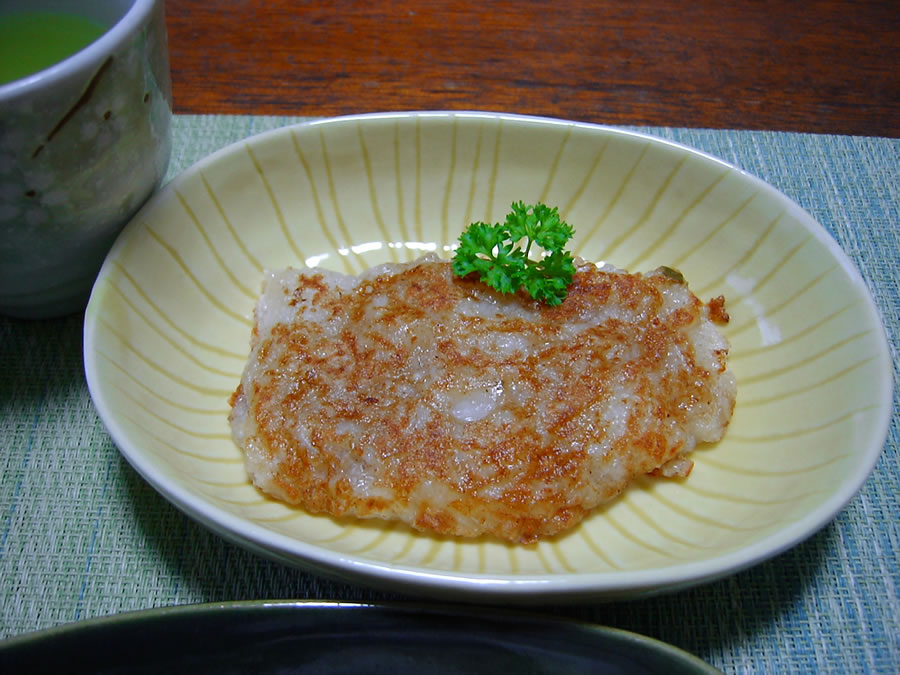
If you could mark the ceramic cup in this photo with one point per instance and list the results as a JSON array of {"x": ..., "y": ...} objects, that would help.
[{"x": 83, "y": 144}]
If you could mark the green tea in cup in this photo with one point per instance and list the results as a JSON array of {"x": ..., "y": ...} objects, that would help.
[
  {"x": 32, "y": 41},
  {"x": 85, "y": 139}
]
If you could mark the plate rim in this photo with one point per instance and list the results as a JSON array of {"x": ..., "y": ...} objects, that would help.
[
  {"x": 500, "y": 587},
  {"x": 410, "y": 608}
]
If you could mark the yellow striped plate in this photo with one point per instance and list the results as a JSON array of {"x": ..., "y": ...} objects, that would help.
[{"x": 168, "y": 325}]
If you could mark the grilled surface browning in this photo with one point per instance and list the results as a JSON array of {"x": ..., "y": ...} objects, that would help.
[{"x": 409, "y": 394}]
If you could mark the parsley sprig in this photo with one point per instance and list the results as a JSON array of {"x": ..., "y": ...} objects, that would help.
[{"x": 494, "y": 252}]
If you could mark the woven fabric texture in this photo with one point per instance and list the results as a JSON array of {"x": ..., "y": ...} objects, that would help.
[{"x": 82, "y": 535}]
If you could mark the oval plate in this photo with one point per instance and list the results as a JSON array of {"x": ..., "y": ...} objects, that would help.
[
  {"x": 167, "y": 334},
  {"x": 332, "y": 638}
]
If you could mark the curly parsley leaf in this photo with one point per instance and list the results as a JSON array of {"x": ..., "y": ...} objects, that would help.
[{"x": 495, "y": 253}]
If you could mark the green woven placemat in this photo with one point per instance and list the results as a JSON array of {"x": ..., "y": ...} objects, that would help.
[{"x": 82, "y": 535}]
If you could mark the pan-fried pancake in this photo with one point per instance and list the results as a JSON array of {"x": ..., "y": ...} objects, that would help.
[{"x": 407, "y": 393}]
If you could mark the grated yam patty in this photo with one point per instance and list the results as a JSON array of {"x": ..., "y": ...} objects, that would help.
[{"x": 406, "y": 393}]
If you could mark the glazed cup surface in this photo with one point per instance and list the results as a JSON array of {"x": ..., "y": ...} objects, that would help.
[{"x": 83, "y": 144}]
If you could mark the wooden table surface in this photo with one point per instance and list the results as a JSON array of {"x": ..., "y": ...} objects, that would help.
[{"x": 813, "y": 66}]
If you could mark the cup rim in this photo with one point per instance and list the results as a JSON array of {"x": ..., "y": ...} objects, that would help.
[{"x": 86, "y": 58}]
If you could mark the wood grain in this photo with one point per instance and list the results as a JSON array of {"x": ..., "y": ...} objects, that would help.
[{"x": 823, "y": 67}]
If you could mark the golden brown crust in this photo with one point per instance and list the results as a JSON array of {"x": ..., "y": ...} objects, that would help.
[
  {"x": 717, "y": 313},
  {"x": 377, "y": 392}
]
